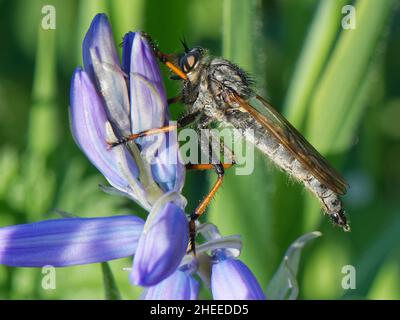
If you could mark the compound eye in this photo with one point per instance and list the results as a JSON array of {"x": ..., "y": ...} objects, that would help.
[{"x": 188, "y": 62}]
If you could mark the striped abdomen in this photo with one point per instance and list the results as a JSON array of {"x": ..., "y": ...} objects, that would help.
[{"x": 287, "y": 161}]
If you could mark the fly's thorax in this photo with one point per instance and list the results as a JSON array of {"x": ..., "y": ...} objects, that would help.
[
  {"x": 208, "y": 106},
  {"x": 224, "y": 76}
]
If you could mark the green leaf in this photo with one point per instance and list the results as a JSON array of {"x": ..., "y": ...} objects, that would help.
[
  {"x": 386, "y": 285},
  {"x": 43, "y": 121},
  {"x": 283, "y": 284},
  {"x": 126, "y": 16},
  {"x": 86, "y": 12},
  {"x": 237, "y": 36},
  {"x": 110, "y": 286},
  {"x": 320, "y": 39},
  {"x": 9, "y": 166},
  {"x": 372, "y": 259},
  {"x": 337, "y": 91}
]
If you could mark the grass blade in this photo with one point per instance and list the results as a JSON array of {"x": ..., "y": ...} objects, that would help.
[
  {"x": 320, "y": 39},
  {"x": 340, "y": 83}
]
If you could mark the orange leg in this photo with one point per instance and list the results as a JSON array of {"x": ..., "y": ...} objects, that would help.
[
  {"x": 207, "y": 166},
  {"x": 145, "y": 133},
  {"x": 165, "y": 59},
  {"x": 219, "y": 168},
  {"x": 173, "y": 68},
  {"x": 183, "y": 122}
]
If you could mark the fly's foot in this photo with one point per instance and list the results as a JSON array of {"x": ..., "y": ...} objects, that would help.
[
  {"x": 192, "y": 235},
  {"x": 123, "y": 140}
]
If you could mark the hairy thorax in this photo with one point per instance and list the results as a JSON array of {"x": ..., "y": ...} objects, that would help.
[{"x": 208, "y": 86}]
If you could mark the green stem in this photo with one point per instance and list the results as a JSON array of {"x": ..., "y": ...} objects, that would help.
[{"x": 110, "y": 286}]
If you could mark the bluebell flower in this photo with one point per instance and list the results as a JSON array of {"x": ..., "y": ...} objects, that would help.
[
  {"x": 163, "y": 243},
  {"x": 108, "y": 102},
  {"x": 231, "y": 279},
  {"x": 181, "y": 285},
  {"x": 219, "y": 268},
  {"x": 70, "y": 241}
]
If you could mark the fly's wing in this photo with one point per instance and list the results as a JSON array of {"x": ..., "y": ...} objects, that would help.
[{"x": 293, "y": 141}]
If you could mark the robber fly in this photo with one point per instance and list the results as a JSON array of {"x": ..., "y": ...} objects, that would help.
[{"x": 216, "y": 90}]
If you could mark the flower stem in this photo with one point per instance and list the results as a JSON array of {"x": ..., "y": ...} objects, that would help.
[{"x": 110, "y": 286}]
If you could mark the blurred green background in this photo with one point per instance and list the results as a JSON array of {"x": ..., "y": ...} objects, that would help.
[{"x": 339, "y": 87}]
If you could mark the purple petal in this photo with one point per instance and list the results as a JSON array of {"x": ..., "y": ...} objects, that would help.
[
  {"x": 88, "y": 121},
  {"x": 149, "y": 110},
  {"x": 72, "y": 241},
  {"x": 231, "y": 279},
  {"x": 162, "y": 245},
  {"x": 127, "y": 51},
  {"x": 178, "y": 286},
  {"x": 148, "y": 99},
  {"x": 100, "y": 38},
  {"x": 168, "y": 169},
  {"x": 102, "y": 64}
]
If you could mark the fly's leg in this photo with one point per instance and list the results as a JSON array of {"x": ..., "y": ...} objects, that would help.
[
  {"x": 228, "y": 155},
  {"x": 219, "y": 169},
  {"x": 145, "y": 133},
  {"x": 174, "y": 100},
  {"x": 207, "y": 166},
  {"x": 183, "y": 122},
  {"x": 165, "y": 58}
]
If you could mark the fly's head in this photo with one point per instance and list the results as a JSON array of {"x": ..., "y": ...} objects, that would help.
[{"x": 191, "y": 62}]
